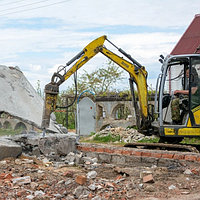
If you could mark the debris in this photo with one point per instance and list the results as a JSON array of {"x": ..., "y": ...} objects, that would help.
[
  {"x": 150, "y": 188},
  {"x": 126, "y": 135},
  {"x": 22, "y": 180},
  {"x": 30, "y": 197},
  {"x": 172, "y": 187},
  {"x": 187, "y": 172},
  {"x": 39, "y": 193},
  {"x": 78, "y": 191},
  {"x": 148, "y": 179},
  {"x": 9, "y": 148},
  {"x": 43, "y": 177},
  {"x": 91, "y": 174},
  {"x": 81, "y": 179},
  {"x": 3, "y": 162},
  {"x": 92, "y": 187}
]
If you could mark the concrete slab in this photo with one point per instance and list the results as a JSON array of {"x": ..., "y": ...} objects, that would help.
[
  {"x": 51, "y": 144},
  {"x": 9, "y": 148},
  {"x": 19, "y": 98}
]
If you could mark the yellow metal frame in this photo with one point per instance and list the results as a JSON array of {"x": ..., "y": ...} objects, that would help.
[
  {"x": 139, "y": 76},
  {"x": 188, "y": 130}
]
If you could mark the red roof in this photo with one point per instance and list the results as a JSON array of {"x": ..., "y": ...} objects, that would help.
[{"x": 190, "y": 41}]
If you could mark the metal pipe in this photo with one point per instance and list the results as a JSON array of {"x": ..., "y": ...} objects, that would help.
[{"x": 75, "y": 58}]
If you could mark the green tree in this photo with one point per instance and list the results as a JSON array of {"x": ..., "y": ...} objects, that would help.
[
  {"x": 99, "y": 81},
  {"x": 38, "y": 88}
]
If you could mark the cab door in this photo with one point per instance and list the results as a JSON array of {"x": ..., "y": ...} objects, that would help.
[{"x": 194, "y": 92}]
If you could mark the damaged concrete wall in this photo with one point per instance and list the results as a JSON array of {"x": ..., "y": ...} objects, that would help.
[
  {"x": 106, "y": 114},
  {"x": 19, "y": 98}
]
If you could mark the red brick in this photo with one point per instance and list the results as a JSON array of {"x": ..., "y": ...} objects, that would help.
[
  {"x": 68, "y": 174},
  {"x": 167, "y": 155},
  {"x": 126, "y": 152},
  {"x": 195, "y": 171},
  {"x": 137, "y": 153},
  {"x": 179, "y": 157},
  {"x": 81, "y": 179},
  {"x": 156, "y": 155},
  {"x": 82, "y": 148},
  {"x": 117, "y": 151},
  {"x": 90, "y": 196},
  {"x": 8, "y": 176},
  {"x": 109, "y": 150},
  {"x": 79, "y": 147},
  {"x": 146, "y": 154},
  {"x": 21, "y": 193},
  {"x": 198, "y": 158},
  {"x": 191, "y": 157},
  {"x": 100, "y": 150},
  {"x": 118, "y": 177},
  {"x": 2, "y": 175},
  {"x": 148, "y": 179}
]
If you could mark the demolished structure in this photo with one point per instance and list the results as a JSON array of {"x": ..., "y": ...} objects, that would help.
[{"x": 19, "y": 103}]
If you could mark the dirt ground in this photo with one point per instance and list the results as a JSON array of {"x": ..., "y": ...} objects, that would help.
[{"x": 31, "y": 178}]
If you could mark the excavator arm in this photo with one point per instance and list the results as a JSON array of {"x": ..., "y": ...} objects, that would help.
[{"x": 138, "y": 75}]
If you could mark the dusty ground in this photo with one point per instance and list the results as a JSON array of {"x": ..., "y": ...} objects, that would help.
[{"x": 45, "y": 180}]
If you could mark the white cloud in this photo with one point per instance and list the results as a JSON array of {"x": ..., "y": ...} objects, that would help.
[
  {"x": 35, "y": 68},
  {"x": 65, "y": 39}
]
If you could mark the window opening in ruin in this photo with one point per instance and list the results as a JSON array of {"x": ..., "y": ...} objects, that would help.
[
  {"x": 20, "y": 126},
  {"x": 7, "y": 125},
  {"x": 121, "y": 112},
  {"x": 101, "y": 113}
]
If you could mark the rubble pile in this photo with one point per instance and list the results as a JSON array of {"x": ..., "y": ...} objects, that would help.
[
  {"x": 37, "y": 144},
  {"x": 49, "y": 168},
  {"x": 126, "y": 134},
  {"x": 41, "y": 178}
]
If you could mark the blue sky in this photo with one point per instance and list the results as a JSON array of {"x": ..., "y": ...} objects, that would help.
[{"x": 38, "y": 37}]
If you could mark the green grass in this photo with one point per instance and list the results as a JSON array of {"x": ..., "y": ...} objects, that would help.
[
  {"x": 9, "y": 132},
  {"x": 116, "y": 139},
  {"x": 193, "y": 140},
  {"x": 106, "y": 139}
]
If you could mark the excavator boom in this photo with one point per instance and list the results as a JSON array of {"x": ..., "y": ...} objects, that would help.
[{"x": 137, "y": 72}]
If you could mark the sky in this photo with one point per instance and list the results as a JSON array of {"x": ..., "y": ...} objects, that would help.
[{"x": 39, "y": 36}]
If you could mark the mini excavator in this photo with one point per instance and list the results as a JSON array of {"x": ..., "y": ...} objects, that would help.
[{"x": 151, "y": 118}]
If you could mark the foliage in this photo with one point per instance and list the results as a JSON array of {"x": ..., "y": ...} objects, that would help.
[
  {"x": 99, "y": 81},
  {"x": 38, "y": 88},
  {"x": 61, "y": 119}
]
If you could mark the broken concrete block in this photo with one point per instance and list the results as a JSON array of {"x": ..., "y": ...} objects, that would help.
[
  {"x": 187, "y": 172},
  {"x": 91, "y": 174},
  {"x": 9, "y": 148},
  {"x": 22, "y": 180},
  {"x": 61, "y": 144},
  {"x": 172, "y": 187},
  {"x": 78, "y": 191},
  {"x": 28, "y": 104}
]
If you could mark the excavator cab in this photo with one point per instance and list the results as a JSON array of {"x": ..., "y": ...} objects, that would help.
[{"x": 178, "y": 90}]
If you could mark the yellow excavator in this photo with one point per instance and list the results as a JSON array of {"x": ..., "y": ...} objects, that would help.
[{"x": 151, "y": 119}]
